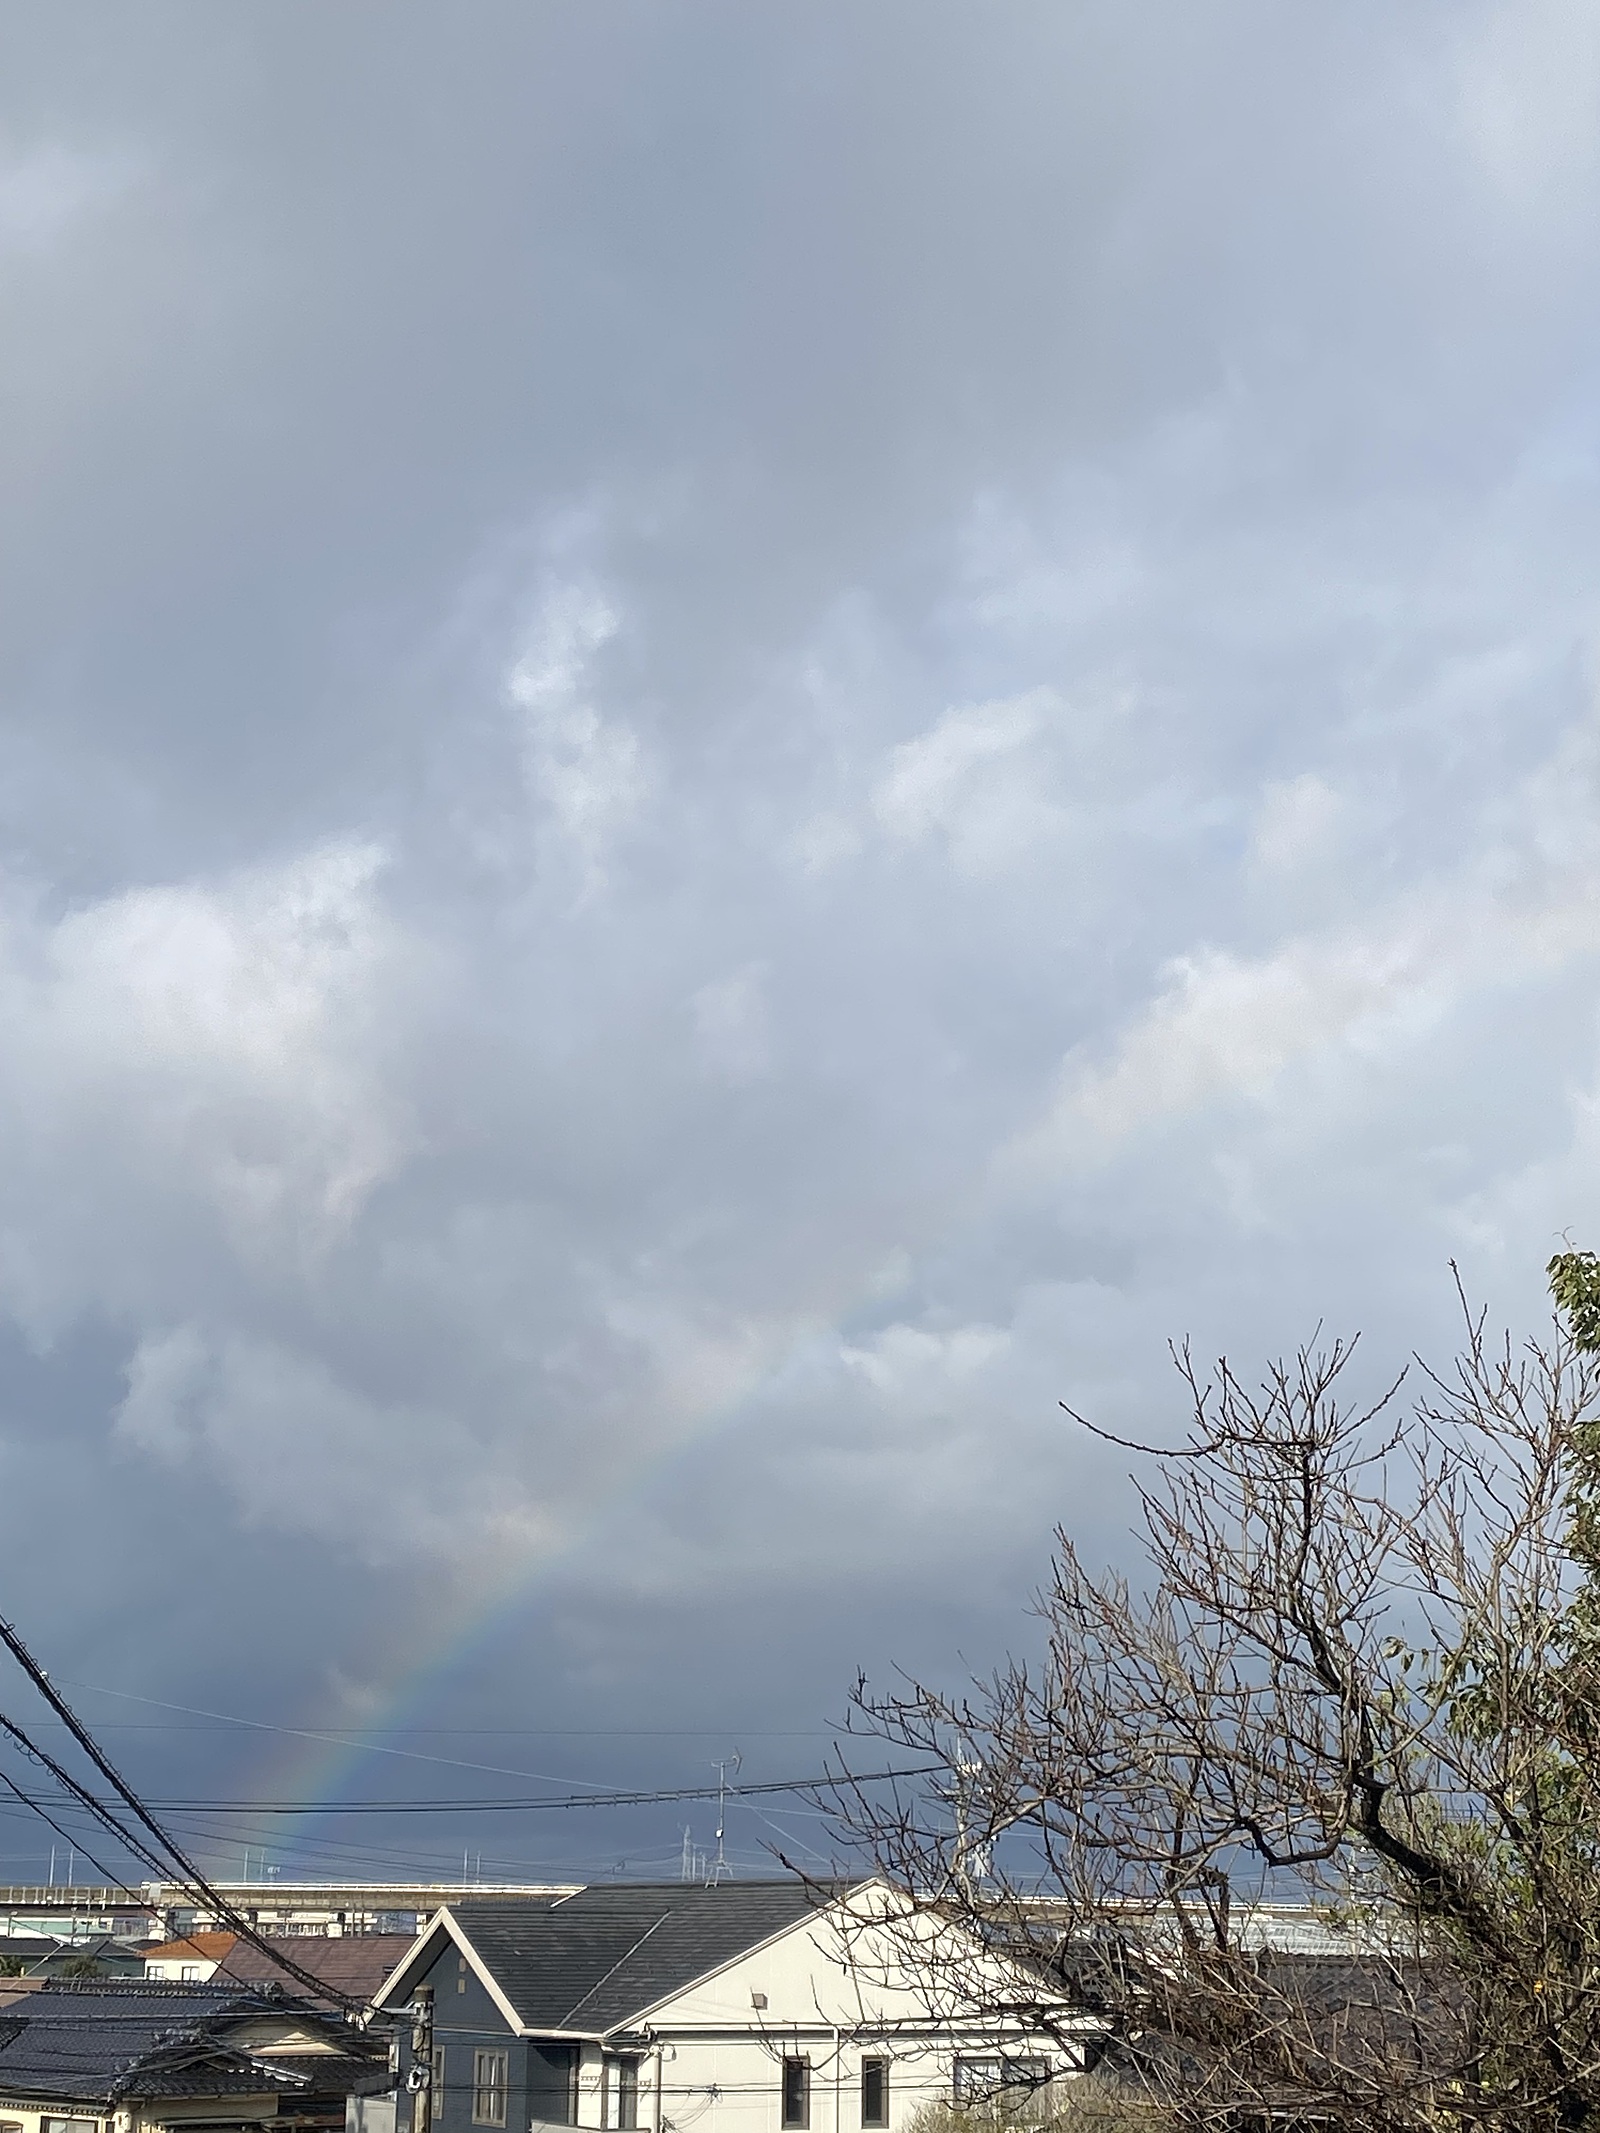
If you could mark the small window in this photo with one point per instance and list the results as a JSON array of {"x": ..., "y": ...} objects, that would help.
[
  {"x": 10, "y": 2125},
  {"x": 797, "y": 2092},
  {"x": 461, "y": 1973},
  {"x": 619, "y": 2091},
  {"x": 874, "y": 2092},
  {"x": 69, "y": 2125},
  {"x": 976, "y": 2080},
  {"x": 489, "y": 2088},
  {"x": 189, "y": 1974},
  {"x": 980, "y": 2079}
]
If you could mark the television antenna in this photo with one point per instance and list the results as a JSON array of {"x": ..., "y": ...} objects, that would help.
[{"x": 719, "y": 1865}]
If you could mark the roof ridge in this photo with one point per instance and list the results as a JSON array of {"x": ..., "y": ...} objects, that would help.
[{"x": 615, "y": 1967}]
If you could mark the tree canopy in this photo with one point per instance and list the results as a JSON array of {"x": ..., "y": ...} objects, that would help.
[{"x": 1362, "y": 1674}]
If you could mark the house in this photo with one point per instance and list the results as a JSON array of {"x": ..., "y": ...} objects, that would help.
[
  {"x": 351, "y": 1965},
  {"x": 127, "y": 2056},
  {"x": 192, "y": 1961},
  {"x": 32, "y": 1955},
  {"x": 740, "y": 2007}
]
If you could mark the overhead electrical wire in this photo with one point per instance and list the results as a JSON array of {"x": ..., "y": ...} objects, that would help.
[
  {"x": 74, "y": 1843},
  {"x": 189, "y": 1878},
  {"x": 351, "y": 1859},
  {"x": 575, "y": 1799},
  {"x": 193, "y": 1880},
  {"x": 338, "y": 1740},
  {"x": 153, "y": 1847}
]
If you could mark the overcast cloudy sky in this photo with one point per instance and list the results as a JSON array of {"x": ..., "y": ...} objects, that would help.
[{"x": 732, "y": 742}]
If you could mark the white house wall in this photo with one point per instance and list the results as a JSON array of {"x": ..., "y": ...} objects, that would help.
[
  {"x": 851, "y": 1966},
  {"x": 836, "y": 1991},
  {"x": 733, "y": 2084}
]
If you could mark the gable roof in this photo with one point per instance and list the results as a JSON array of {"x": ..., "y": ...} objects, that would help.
[
  {"x": 599, "y": 1960},
  {"x": 41, "y": 1957},
  {"x": 350, "y": 1964},
  {"x": 99, "y": 2040},
  {"x": 202, "y": 1947}
]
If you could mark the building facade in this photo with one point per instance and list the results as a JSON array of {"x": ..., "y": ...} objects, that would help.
[
  {"x": 319, "y": 1910},
  {"x": 754, "y": 2007}
]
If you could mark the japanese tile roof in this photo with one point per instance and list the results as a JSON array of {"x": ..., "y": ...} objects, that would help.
[
  {"x": 96, "y": 2040},
  {"x": 204, "y": 1947},
  {"x": 596, "y": 1961}
]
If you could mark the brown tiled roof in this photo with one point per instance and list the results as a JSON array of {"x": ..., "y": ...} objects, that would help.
[
  {"x": 201, "y": 1947},
  {"x": 354, "y": 1964}
]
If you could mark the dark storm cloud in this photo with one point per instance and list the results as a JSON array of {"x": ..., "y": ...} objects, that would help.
[{"x": 734, "y": 742}]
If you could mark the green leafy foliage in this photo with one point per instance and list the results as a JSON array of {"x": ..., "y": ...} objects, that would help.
[
  {"x": 1575, "y": 1285},
  {"x": 1575, "y": 1288}
]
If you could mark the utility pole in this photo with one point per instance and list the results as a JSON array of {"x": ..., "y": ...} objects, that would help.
[{"x": 420, "y": 2080}]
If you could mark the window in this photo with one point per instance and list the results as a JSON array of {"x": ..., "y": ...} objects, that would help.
[
  {"x": 69, "y": 2125},
  {"x": 461, "y": 1973},
  {"x": 489, "y": 2088},
  {"x": 619, "y": 2091},
  {"x": 797, "y": 2092},
  {"x": 874, "y": 2092},
  {"x": 978, "y": 2080},
  {"x": 189, "y": 1974}
]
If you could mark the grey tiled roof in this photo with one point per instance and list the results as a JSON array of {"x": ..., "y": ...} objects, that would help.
[
  {"x": 596, "y": 1961},
  {"x": 95, "y": 2041}
]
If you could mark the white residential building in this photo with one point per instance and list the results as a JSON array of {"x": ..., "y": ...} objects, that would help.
[{"x": 746, "y": 2007}]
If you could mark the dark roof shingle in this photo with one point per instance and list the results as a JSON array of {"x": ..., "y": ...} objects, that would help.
[
  {"x": 100, "y": 2039},
  {"x": 596, "y": 1961}
]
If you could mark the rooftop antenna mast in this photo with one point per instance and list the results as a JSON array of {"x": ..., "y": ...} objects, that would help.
[{"x": 719, "y": 1865}]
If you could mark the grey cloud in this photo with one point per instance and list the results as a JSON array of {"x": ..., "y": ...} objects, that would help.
[{"x": 733, "y": 744}]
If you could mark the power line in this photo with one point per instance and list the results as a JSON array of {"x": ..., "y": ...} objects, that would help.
[
  {"x": 72, "y": 1842},
  {"x": 194, "y": 1881},
  {"x": 575, "y": 1799},
  {"x": 335, "y": 1740}
]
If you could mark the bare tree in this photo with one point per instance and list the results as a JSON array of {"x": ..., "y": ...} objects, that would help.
[
  {"x": 1089, "y": 2106},
  {"x": 1354, "y": 1678}
]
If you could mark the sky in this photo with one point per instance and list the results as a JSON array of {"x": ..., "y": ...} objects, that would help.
[{"x": 734, "y": 743}]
